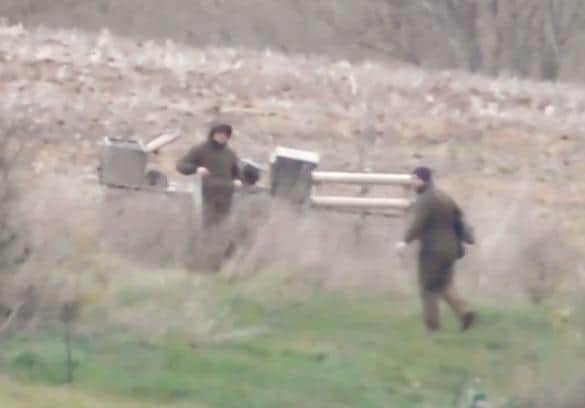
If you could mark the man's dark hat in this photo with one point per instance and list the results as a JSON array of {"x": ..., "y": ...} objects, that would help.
[
  {"x": 221, "y": 128},
  {"x": 423, "y": 173}
]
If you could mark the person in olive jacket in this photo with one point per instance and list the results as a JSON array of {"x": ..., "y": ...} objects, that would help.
[
  {"x": 218, "y": 166},
  {"x": 438, "y": 224}
]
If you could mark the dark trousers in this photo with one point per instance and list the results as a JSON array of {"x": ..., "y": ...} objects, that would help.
[
  {"x": 436, "y": 284},
  {"x": 216, "y": 242}
]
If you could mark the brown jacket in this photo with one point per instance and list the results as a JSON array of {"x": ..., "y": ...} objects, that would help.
[
  {"x": 438, "y": 224},
  {"x": 222, "y": 163},
  {"x": 218, "y": 187}
]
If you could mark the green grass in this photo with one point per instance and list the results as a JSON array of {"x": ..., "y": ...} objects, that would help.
[
  {"x": 21, "y": 395},
  {"x": 323, "y": 350}
]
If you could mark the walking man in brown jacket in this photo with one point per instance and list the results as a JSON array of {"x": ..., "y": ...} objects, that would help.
[{"x": 439, "y": 226}]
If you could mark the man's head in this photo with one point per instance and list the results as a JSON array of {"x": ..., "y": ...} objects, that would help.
[
  {"x": 220, "y": 134},
  {"x": 422, "y": 177}
]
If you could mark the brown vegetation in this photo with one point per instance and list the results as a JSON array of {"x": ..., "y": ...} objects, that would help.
[
  {"x": 526, "y": 38},
  {"x": 509, "y": 150},
  {"x": 14, "y": 246}
]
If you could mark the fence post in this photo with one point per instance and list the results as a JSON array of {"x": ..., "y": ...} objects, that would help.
[
  {"x": 69, "y": 314},
  {"x": 291, "y": 174}
]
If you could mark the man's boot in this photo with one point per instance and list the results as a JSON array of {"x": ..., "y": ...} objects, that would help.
[
  {"x": 432, "y": 326},
  {"x": 467, "y": 321}
]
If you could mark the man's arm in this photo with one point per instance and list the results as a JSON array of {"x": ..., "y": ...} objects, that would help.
[
  {"x": 189, "y": 163},
  {"x": 235, "y": 169},
  {"x": 418, "y": 223},
  {"x": 464, "y": 230}
]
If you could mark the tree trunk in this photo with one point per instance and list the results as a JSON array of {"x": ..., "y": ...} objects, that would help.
[{"x": 471, "y": 39}]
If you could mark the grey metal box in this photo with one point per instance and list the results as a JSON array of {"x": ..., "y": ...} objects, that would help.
[
  {"x": 290, "y": 173},
  {"x": 122, "y": 163}
]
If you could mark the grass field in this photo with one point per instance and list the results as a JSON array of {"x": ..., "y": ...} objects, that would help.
[
  {"x": 17, "y": 395},
  {"x": 324, "y": 350}
]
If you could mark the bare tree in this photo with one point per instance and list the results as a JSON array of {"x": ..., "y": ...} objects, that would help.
[
  {"x": 532, "y": 38},
  {"x": 519, "y": 37},
  {"x": 458, "y": 21},
  {"x": 562, "y": 22}
]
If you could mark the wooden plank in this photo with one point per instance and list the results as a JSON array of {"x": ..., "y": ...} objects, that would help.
[
  {"x": 161, "y": 141},
  {"x": 394, "y": 213},
  {"x": 359, "y": 202},
  {"x": 361, "y": 178}
]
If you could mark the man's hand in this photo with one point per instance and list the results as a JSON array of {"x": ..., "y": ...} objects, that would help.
[
  {"x": 401, "y": 247},
  {"x": 202, "y": 172},
  {"x": 237, "y": 184}
]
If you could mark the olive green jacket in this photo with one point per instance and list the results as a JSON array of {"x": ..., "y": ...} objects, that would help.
[
  {"x": 223, "y": 166},
  {"x": 438, "y": 223}
]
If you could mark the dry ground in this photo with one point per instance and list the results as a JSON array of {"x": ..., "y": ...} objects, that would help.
[{"x": 511, "y": 151}]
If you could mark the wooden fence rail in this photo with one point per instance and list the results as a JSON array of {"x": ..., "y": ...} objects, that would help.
[
  {"x": 366, "y": 203},
  {"x": 320, "y": 177}
]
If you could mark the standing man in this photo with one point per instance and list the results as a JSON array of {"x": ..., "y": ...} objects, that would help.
[
  {"x": 439, "y": 226},
  {"x": 217, "y": 164}
]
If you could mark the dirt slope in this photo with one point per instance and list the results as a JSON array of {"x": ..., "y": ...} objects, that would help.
[
  {"x": 510, "y": 151},
  {"x": 76, "y": 88}
]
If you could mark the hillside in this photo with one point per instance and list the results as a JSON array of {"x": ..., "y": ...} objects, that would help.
[
  {"x": 75, "y": 88},
  {"x": 318, "y": 316},
  {"x": 510, "y": 150},
  {"x": 536, "y": 39}
]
